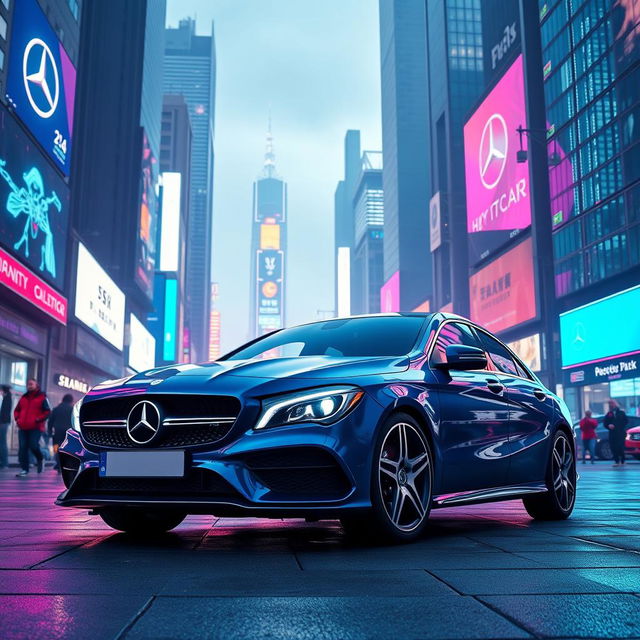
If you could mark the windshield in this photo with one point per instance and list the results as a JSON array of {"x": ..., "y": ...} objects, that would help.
[{"x": 353, "y": 337}]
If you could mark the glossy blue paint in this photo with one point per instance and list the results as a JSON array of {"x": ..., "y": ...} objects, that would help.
[{"x": 486, "y": 430}]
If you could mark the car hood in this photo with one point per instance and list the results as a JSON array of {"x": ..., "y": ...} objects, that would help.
[
  {"x": 298, "y": 367},
  {"x": 236, "y": 377}
]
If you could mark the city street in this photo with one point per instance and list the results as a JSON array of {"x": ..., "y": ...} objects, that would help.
[{"x": 483, "y": 572}]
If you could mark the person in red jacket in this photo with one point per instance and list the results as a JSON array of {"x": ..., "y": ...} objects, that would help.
[
  {"x": 588, "y": 428},
  {"x": 30, "y": 415}
]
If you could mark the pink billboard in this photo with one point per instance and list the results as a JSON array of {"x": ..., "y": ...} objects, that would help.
[
  {"x": 26, "y": 284},
  {"x": 497, "y": 186},
  {"x": 503, "y": 294},
  {"x": 390, "y": 294}
]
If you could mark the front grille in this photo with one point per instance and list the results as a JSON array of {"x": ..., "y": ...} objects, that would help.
[
  {"x": 198, "y": 483},
  {"x": 300, "y": 472},
  {"x": 171, "y": 436},
  {"x": 187, "y": 420}
]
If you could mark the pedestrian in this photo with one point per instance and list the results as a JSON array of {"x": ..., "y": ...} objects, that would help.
[
  {"x": 616, "y": 421},
  {"x": 5, "y": 423},
  {"x": 30, "y": 415},
  {"x": 588, "y": 429},
  {"x": 59, "y": 422}
]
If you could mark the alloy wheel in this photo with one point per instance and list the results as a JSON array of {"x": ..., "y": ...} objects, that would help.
[
  {"x": 404, "y": 475},
  {"x": 564, "y": 473}
]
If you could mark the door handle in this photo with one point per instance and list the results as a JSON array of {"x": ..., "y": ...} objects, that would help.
[
  {"x": 540, "y": 394},
  {"x": 494, "y": 385}
]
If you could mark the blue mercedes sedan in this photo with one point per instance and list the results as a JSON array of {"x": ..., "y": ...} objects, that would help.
[{"x": 372, "y": 420}]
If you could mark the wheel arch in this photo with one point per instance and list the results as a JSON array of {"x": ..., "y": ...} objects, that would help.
[{"x": 412, "y": 408}]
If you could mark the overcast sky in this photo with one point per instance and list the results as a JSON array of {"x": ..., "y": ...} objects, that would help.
[{"x": 316, "y": 64}]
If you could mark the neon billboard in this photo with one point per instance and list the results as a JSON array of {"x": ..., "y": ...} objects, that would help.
[
  {"x": 34, "y": 204},
  {"x": 503, "y": 293},
  {"x": 497, "y": 186},
  {"x": 390, "y": 294},
  {"x": 41, "y": 82}
]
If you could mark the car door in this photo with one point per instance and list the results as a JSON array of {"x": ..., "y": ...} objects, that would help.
[
  {"x": 531, "y": 414},
  {"x": 473, "y": 426}
]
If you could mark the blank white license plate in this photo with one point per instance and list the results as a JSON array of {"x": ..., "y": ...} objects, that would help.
[{"x": 142, "y": 464}]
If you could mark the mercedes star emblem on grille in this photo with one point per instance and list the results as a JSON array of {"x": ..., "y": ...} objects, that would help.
[{"x": 143, "y": 422}]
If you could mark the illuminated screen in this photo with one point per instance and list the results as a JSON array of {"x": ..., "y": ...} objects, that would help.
[
  {"x": 584, "y": 332},
  {"x": 269, "y": 236},
  {"x": 344, "y": 281},
  {"x": 142, "y": 348},
  {"x": 99, "y": 302},
  {"x": 147, "y": 222},
  {"x": 497, "y": 186},
  {"x": 41, "y": 82},
  {"x": 503, "y": 292},
  {"x": 528, "y": 350},
  {"x": 170, "y": 320},
  {"x": 34, "y": 205},
  {"x": 390, "y": 294},
  {"x": 170, "y": 223}
]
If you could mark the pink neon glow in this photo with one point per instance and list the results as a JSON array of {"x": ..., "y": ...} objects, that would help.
[
  {"x": 497, "y": 185},
  {"x": 390, "y": 294},
  {"x": 29, "y": 286},
  {"x": 503, "y": 294}
]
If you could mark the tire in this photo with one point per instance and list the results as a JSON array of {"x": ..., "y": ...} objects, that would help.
[
  {"x": 603, "y": 450},
  {"x": 558, "y": 502},
  {"x": 401, "y": 485},
  {"x": 139, "y": 522}
]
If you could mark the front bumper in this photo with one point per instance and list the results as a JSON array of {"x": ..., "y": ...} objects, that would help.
[{"x": 296, "y": 471}]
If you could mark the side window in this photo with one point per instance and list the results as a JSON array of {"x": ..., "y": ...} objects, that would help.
[
  {"x": 452, "y": 333},
  {"x": 499, "y": 356}
]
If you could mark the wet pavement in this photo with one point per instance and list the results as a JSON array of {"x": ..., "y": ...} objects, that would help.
[{"x": 482, "y": 572}]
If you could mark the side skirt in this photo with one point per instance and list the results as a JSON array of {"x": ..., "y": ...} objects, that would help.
[{"x": 488, "y": 495}]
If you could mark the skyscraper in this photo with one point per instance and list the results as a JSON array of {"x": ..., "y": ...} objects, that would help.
[
  {"x": 367, "y": 261},
  {"x": 591, "y": 69},
  {"x": 268, "y": 248},
  {"x": 405, "y": 140},
  {"x": 344, "y": 222},
  {"x": 168, "y": 321},
  {"x": 190, "y": 71},
  {"x": 115, "y": 178},
  {"x": 455, "y": 79}
]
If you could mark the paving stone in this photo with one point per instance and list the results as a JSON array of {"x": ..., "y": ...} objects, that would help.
[
  {"x": 372, "y": 618},
  {"x": 66, "y": 617},
  {"x": 573, "y": 616}
]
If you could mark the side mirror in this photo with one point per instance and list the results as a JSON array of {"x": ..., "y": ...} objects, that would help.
[{"x": 464, "y": 357}]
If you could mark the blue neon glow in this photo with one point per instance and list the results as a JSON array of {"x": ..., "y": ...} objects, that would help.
[
  {"x": 170, "y": 320},
  {"x": 603, "y": 329}
]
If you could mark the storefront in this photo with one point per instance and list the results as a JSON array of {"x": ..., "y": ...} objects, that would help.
[{"x": 601, "y": 354}]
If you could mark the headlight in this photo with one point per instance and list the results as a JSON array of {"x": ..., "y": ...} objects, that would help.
[
  {"x": 323, "y": 406},
  {"x": 75, "y": 416}
]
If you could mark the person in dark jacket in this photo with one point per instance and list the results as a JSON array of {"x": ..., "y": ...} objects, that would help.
[
  {"x": 59, "y": 422},
  {"x": 616, "y": 421},
  {"x": 5, "y": 423},
  {"x": 30, "y": 415}
]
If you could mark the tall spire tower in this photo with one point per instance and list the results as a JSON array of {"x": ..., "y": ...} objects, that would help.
[
  {"x": 269, "y": 155},
  {"x": 268, "y": 247}
]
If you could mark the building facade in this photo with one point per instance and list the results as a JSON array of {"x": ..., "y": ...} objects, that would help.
[
  {"x": 36, "y": 149},
  {"x": 268, "y": 277},
  {"x": 455, "y": 79},
  {"x": 367, "y": 267},
  {"x": 344, "y": 223},
  {"x": 168, "y": 322},
  {"x": 405, "y": 141},
  {"x": 190, "y": 71},
  {"x": 591, "y": 63}
]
